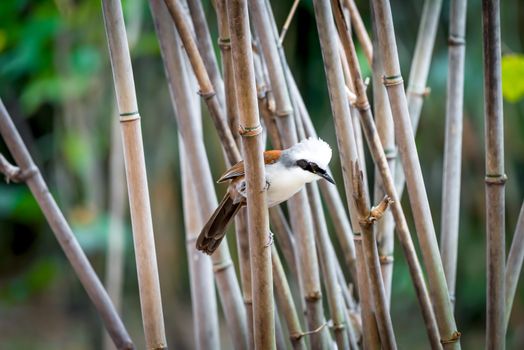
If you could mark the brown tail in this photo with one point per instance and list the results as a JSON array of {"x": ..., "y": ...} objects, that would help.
[{"x": 215, "y": 229}]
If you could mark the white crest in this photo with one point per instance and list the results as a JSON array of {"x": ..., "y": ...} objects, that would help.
[{"x": 313, "y": 150}]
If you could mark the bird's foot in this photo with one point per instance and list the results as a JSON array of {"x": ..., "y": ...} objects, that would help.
[
  {"x": 266, "y": 186},
  {"x": 269, "y": 239}
]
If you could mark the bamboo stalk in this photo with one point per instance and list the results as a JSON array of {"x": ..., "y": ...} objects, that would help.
[
  {"x": 114, "y": 271},
  {"x": 204, "y": 305},
  {"x": 27, "y": 171},
  {"x": 227, "y": 284},
  {"x": 514, "y": 264},
  {"x": 148, "y": 280},
  {"x": 285, "y": 303},
  {"x": 370, "y": 336},
  {"x": 207, "y": 90},
  {"x": 387, "y": 180},
  {"x": 327, "y": 262},
  {"x": 386, "y": 133},
  {"x": 258, "y": 221},
  {"x": 495, "y": 176},
  {"x": 418, "y": 76},
  {"x": 205, "y": 47},
  {"x": 416, "y": 189},
  {"x": 300, "y": 212},
  {"x": 360, "y": 30},
  {"x": 330, "y": 193},
  {"x": 453, "y": 144},
  {"x": 366, "y": 219},
  {"x": 287, "y": 23},
  {"x": 346, "y": 145}
]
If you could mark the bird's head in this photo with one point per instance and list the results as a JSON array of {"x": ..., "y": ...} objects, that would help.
[{"x": 312, "y": 155}]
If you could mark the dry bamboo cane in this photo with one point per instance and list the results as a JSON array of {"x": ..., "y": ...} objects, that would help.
[
  {"x": 242, "y": 237},
  {"x": 298, "y": 206},
  {"x": 415, "y": 182},
  {"x": 258, "y": 219},
  {"x": 382, "y": 164},
  {"x": 386, "y": 133},
  {"x": 205, "y": 321},
  {"x": 116, "y": 243},
  {"x": 514, "y": 265},
  {"x": 206, "y": 87},
  {"x": 360, "y": 30},
  {"x": 370, "y": 336},
  {"x": 495, "y": 176},
  {"x": 330, "y": 194},
  {"x": 327, "y": 262},
  {"x": 204, "y": 304},
  {"x": 285, "y": 303},
  {"x": 227, "y": 284},
  {"x": 346, "y": 142},
  {"x": 205, "y": 47},
  {"x": 28, "y": 172},
  {"x": 453, "y": 144},
  {"x": 366, "y": 219},
  {"x": 147, "y": 270},
  {"x": 418, "y": 76}
]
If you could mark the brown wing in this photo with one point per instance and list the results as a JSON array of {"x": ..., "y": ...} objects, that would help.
[{"x": 237, "y": 170}]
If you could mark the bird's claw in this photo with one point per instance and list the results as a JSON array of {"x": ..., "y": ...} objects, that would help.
[{"x": 270, "y": 239}]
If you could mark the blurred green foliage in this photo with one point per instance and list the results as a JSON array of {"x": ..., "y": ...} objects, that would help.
[{"x": 56, "y": 82}]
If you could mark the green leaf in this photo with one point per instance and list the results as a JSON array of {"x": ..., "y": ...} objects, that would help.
[{"x": 513, "y": 77}]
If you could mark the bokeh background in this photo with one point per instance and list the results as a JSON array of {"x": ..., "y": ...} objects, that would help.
[{"x": 56, "y": 81}]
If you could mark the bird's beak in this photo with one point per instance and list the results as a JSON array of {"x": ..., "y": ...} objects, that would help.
[{"x": 327, "y": 177}]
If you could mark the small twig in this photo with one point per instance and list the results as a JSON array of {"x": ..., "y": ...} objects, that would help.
[
  {"x": 11, "y": 172},
  {"x": 285, "y": 27}
]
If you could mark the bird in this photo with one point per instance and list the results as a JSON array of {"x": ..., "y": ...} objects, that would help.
[{"x": 286, "y": 172}]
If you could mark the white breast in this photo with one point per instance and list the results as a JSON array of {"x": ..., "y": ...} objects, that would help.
[{"x": 285, "y": 182}]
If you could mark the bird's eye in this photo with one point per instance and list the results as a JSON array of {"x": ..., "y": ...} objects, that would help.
[{"x": 302, "y": 163}]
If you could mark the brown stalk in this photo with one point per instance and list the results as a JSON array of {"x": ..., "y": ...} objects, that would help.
[
  {"x": 418, "y": 76},
  {"x": 287, "y": 23},
  {"x": 204, "y": 305},
  {"x": 346, "y": 143},
  {"x": 285, "y": 303},
  {"x": 205, "y": 47},
  {"x": 495, "y": 176},
  {"x": 298, "y": 206},
  {"x": 381, "y": 162},
  {"x": 116, "y": 243},
  {"x": 367, "y": 218},
  {"x": 514, "y": 265},
  {"x": 386, "y": 133},
  {"x": 148, "y": 280},
  {"x": 27, "y": 171},
  {"x": 360, "y": 29},
  {"x": 258, "y": 220},
  {"x": 453, "y": 144},
  {"x": 416, "y": 188},
  {"x": 207, "y": 90},
  {"x": 330, "y": 193},
  {"x": 227, "y": 284}
]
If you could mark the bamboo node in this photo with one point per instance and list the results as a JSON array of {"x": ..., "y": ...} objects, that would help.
[
  {"x": 495, "y": 179},
  {"x": 423, "y": 91},
  {"x": 386, "y": 259},
  {"x": 377, "y": 211},
  {"x": 392, "y": 80},
  {"x": 298, "y": 335},
  {"x": 219, "y": 266},
  {"x": 250, "y": 131},
  {"x": 206, "y": 95},
  {"x": 129, "y": 116},
  {"x": 314, "y": 296},
  {"x": 362, "y": 105},
  {"x": 456, "y": 40},
  {"x": 283, "y": 113},
  {"x": 14, "y": 173},
  {"x": 454, "y": 338},
  {"x": 390, "y": 153},
  {"x": 224, "y": 43}
]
